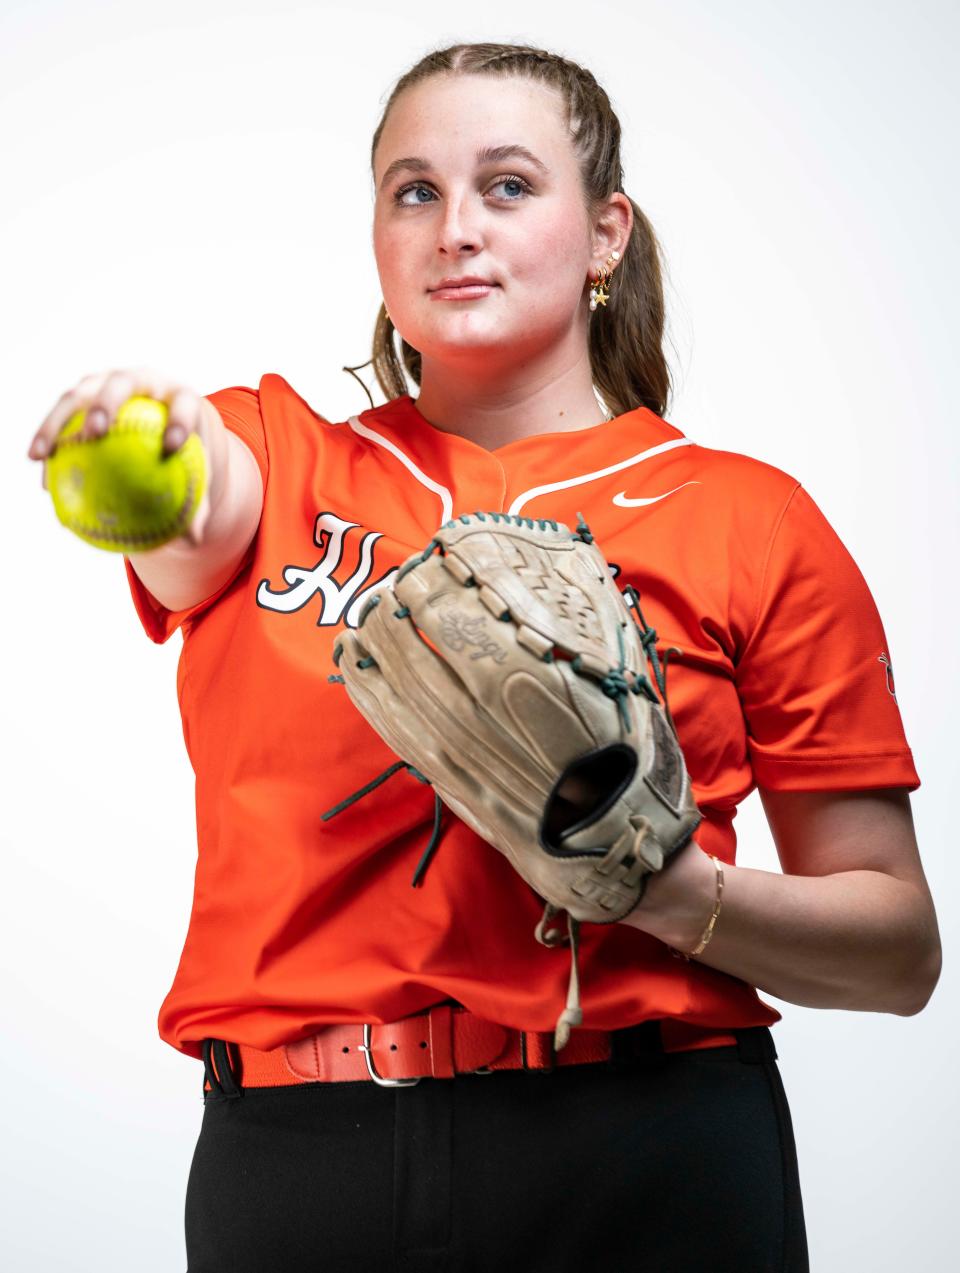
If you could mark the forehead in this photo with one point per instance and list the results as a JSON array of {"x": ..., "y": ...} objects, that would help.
[{"x": 446, "y": 119}]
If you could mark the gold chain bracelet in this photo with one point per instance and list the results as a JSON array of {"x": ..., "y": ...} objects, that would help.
[{"x": 708, "y": 931}]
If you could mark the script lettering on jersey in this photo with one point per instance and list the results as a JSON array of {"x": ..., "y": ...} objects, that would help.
[{"x": 308, "y": 584}]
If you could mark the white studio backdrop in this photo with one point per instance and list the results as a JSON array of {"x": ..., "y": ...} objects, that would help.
[{"x": 187, "y": 187}]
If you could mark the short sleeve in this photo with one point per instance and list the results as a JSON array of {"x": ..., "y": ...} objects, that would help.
[
  {"x": 815, "y": 676},
  {"x": 239, "y": 408}
]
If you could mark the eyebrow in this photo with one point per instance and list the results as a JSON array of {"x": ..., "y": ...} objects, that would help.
[{"x": 486, "y": 155}]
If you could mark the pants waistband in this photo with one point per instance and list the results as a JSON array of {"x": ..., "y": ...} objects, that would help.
[{"x": 446, "y": 1040}]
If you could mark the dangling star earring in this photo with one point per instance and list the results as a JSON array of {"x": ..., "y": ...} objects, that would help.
[{"x": 598, "y": 293}]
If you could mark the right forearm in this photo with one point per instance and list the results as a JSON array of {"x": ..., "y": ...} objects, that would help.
[{"x": 218, "y": 458}]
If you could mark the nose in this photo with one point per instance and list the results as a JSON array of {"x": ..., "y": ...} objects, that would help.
[{"x": 459, "y": 229}]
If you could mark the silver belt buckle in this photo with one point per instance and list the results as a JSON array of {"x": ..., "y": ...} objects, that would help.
[{"x": 378, "y": 1078}]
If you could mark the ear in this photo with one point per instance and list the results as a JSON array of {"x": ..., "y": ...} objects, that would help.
[{"x": 613, "y": 226}]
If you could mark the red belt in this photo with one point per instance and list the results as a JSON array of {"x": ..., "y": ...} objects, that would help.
[{"x": 444, "y": 1040}]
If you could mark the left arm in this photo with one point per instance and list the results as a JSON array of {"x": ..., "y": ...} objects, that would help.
[{"x": 850, "y": 924}]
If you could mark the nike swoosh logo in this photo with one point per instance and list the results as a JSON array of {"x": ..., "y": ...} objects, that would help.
[
  {"x": 623, "y": 500},
  {"x": 522, "y": 500}
]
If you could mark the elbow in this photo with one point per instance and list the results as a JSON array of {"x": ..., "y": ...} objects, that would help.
[
  {"x": 922, "y": 962},
  {"x": 922, "y": 988}
]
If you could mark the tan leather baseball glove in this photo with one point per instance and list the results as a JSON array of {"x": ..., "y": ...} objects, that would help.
[{"x": 504, "y": 666}]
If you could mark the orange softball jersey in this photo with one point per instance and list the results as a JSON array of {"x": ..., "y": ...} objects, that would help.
[{"x": 784, "y": 680}]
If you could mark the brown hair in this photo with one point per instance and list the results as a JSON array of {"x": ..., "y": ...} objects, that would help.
[{"x": 625, "y": 341}]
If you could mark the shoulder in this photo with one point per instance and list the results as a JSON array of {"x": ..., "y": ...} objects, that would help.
[
  {"x": 279, "y": 400},
  {"x": 745, "y": 476},
  {"x": 744, "y": 488},
  {"x": 277, "y": 413}
]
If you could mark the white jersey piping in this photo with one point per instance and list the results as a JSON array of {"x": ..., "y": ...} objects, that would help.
[
  {"x": 446, "y": 499},
  {"x": 519, "y": 502}
]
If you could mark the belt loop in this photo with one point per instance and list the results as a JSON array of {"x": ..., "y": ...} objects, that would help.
[
  {"x": 227, "y": 1085},
  {"x": 542, "y": 1052},
  {"x": 635, "y": 1042},
  {"x": 440, "y": 1028},
  {"x": 209, "y": 1074},
  {"x": 755, "y": 1044},
  {"x": 621, "y": 1050}
]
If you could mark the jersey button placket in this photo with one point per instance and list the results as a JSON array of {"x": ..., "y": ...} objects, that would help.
[{"x": 481, "y": 486}]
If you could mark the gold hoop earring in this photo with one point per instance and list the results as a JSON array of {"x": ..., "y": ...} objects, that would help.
[{"x": 598, "y": 293}]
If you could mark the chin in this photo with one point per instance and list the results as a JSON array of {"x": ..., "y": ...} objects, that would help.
[{"x": 448, "y": 344}]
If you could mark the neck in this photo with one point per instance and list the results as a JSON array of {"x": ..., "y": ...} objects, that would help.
[{"x": 493, "y": 405}]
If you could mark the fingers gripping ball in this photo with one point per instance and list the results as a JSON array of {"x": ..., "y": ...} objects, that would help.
[{"x": 119, "y": 491}]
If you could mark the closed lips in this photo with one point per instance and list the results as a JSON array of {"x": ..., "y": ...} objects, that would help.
[{"x": 462, "y": 282}]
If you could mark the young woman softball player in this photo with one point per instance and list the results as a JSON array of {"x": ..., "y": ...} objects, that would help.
[{"x": 380, "y": 1087}]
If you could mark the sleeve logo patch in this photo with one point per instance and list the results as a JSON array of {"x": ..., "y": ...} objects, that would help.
[{"x": 889, "y": 668}]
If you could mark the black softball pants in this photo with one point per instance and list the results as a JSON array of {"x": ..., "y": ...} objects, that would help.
[{"x": 681, "y": 1162}]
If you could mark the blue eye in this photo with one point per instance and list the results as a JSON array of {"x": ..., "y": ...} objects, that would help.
[
  {"x": 514, "y": 181},
  {"x": 524, "y": 187},
  {"x": 398, "y": 197}
]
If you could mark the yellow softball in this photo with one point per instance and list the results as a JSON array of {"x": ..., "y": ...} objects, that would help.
[{"x": 119, "y": 491}]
